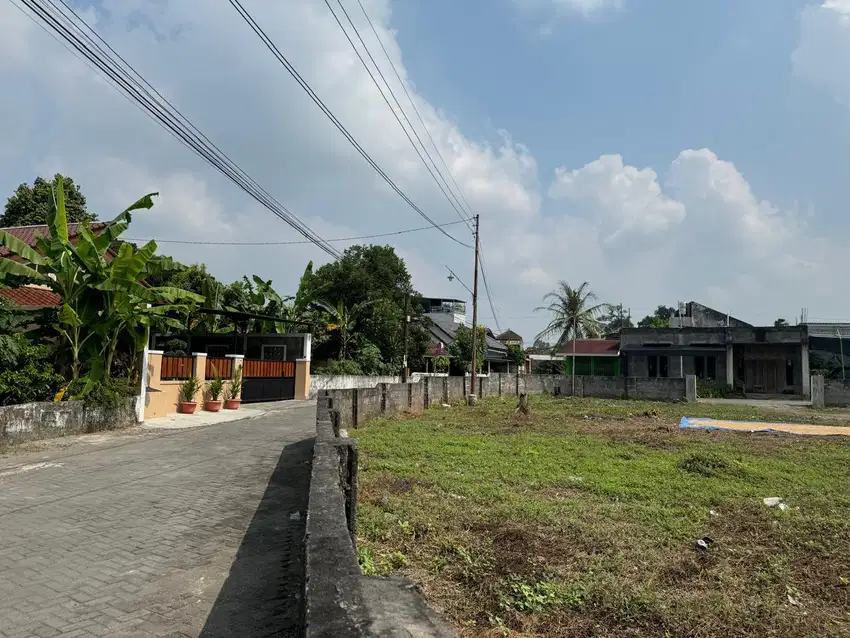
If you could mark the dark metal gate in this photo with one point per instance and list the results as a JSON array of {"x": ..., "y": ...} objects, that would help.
[{"x": 264, "y": 380}]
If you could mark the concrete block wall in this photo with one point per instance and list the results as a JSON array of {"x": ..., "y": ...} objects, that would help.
[
  {"x": 661, "y": 389},
  {"x": 836, "y": 392},
  {"x": 343, "y": 401},
  {"x": 456, "y": 389},
  {"x": 369, "y": 403},
  {"x": 416, "y": 392},
  {"x": 48, "y": 419},
  {"x": 396, "y": 398},
  {"x": 319, "y": 382},
  {"x": 601, "y": 387}
]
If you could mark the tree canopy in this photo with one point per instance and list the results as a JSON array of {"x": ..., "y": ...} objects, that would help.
[
  {"x": 375, "y": 280},
  {"x": 573, "y": 313},
  {"x": 659, "y": 319},
  {"x": 32, "y": 205}
]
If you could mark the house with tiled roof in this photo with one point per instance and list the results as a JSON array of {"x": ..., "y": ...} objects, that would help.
[
  {"x": 510, "y": 338},
  {"x": 34, "y": 297}
]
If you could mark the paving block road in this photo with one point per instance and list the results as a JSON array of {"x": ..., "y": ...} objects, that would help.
[{"x": 194, "y": 532}]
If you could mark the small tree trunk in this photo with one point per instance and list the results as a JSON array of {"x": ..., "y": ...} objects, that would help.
[{"x": 522, "y": 407}]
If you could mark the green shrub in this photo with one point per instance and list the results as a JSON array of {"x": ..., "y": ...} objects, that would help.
[
  {"x": 337, "y": 367},
  {"x": 189, "y": 390},
  {"x": 232, "y": 391},
  {"x": 111, "y": 393},
  {"x": 176, "y": 348},
  {"x": 215, "y": 386},
  {"x": 707, "y": 390},
  {"x": 32, "y": 377}
]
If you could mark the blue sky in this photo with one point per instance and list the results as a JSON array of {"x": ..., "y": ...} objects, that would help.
[{"x": 661, "y": 150}]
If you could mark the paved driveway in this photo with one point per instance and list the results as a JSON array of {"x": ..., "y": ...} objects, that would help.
[{"x": 172, "y": 533}]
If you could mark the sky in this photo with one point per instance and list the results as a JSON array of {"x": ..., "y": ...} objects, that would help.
[{"x": 662, "y": 151}]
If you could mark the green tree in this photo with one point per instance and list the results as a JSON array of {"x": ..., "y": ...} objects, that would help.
[
  {"x": 574, "y": 315},
  {"x": 101, "y": 300},
  {"x": 615, "y": 319},
  {"x": 460, "y": 349},
  {"x": 32, "y": 205},
  {"x": 378, "y": 275},
  {"x": 780, "y": 323},
  {"x": 659, "y": 319},
  {"x": 341, "y": 322},
  {"x": 516, "y": 355}
]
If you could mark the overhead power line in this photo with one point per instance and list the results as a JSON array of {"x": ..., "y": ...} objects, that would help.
[
  {"x": 287, "y": 243},
  {"x": 450, "y": 196},
  {"x": 468, "y": 209},
  {"x": 271, "y": 46},
  {"x": 121, "y": 75},
  {"x": 465, "y": 206}
]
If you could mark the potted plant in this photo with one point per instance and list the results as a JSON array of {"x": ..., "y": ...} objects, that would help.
[
  {"x": 233, "y": 392},
  {"x": 214, "y": 389},
  {"x": 188, "y": 391}
]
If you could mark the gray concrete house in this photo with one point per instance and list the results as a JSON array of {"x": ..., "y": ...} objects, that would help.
[{"x": 721, "y": 349}]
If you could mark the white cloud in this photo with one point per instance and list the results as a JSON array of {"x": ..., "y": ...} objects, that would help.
[
  {"x": 628, "y": 199},
  {"x": 694, "y": 230},
  {"x": 585, "y": 8},
  {"x": 822, "y": 55}
]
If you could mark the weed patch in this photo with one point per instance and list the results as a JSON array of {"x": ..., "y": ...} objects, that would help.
[{"x": 570, "y": 526}]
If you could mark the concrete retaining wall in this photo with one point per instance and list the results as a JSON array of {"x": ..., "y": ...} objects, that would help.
[
  {"x": 319, "y": 382},
  {"x": 48, "y": 419},
  {"x": 837, "y": 392},
  {"x": 339, "y": 600}
]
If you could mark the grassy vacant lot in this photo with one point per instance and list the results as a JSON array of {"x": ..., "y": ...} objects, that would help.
[{"x": 582, "y": 520}]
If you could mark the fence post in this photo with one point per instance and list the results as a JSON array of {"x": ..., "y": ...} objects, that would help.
[
  {"x": 238, "y": 361},
  {"x": 200, "y": 373}
]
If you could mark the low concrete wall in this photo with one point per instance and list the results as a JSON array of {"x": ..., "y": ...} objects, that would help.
[
  {"x": 319, "y": 382},
  {"x": 48, "y": 419},
  {"x": 339, "y": 600},
  {"x": 636, "y": 388},
  {"x": 836, "y": 392}
]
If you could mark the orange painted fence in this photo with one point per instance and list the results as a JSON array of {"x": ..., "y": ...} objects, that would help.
[
  {"x": 223, "y": 366},
  {"x": 258, "y": 369},
  {"x": 176, "y": 368}
]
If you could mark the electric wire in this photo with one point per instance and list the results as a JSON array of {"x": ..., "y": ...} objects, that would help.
[
  {"x": 168, "y": 116},
  {"x": 271, "y": 46},
  {"x": 287, "y": 243},
  {"x": 450, "y": 196}
]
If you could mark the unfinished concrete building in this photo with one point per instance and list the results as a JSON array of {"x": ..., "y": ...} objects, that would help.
[{"x": 722, "y": 350}]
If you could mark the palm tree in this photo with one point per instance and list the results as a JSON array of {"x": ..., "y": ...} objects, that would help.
[{"x": 572, "y": 315}]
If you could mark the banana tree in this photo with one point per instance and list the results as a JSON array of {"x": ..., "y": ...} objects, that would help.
[
  {"x": 342, "y": 321},
  {"x": 131, "y": 307},
  {"x": 102, "y": 294}
]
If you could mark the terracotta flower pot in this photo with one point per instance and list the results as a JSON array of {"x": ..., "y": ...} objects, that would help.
[
  {"x": 213, "y": 406},
  {"x": 232, "y": 404},
  {"x": 188, "y": 407}
]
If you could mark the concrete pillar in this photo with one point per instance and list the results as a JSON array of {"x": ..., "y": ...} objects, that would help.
[
  {"x": 730, "y": 366},
  {"x": 807, "y": 390},
  {"x": 690, "y": 387},
  {"x": 201, "y": 374},
  {"x": 151, "y": 379},
  {"x": 238, "y": 361},
  {"x": 302, "y": 379},
  {"x": 818, "y": 394}
]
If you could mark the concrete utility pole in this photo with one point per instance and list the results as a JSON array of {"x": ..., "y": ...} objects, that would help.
[
  {"x": 473, "y": 382},
  {"x": 405, "y": 370}
]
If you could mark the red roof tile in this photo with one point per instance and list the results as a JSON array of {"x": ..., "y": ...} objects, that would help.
[
  {"x": 31, "y": 298},
  {"x": 595, "y": 347},
  {"x": 30, "y": 233}
]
